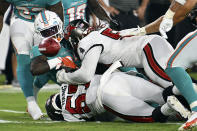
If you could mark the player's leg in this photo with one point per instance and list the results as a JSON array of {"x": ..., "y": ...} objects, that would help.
[
  {"x": 39, "y": 82},
  {"x": 181, "y": 59},
  {"x": 131, "y": 91},
  {"x": 21, "y": 36},
  {"x": 154, "y": 57},
  {"x": 135, "y": 109},
  {"x": 156, "y": 54}
]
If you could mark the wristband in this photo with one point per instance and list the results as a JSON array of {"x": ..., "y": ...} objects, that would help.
[
  {"x": 182, "y": 2},
  {"x": 169, "y": 14},
  {"x": 54, "y": 62},
  {"x": 143, "y": 31}
]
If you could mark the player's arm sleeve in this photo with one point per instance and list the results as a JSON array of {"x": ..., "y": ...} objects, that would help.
[
  {"x": 95, "y": 7},
  {"x": 39, "y": 65},
  {"x": 56, "y": 6},
  {"x": 87, "y": 70}
]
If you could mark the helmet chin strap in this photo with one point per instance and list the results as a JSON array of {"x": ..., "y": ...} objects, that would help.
[
  {"x": 58, "y": 36},
  {"x": 58, "y": 39}
]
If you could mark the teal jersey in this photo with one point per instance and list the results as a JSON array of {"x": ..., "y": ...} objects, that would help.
[
  {"x": 28, "y": 9},
  {"x": 73, "y": 9}
]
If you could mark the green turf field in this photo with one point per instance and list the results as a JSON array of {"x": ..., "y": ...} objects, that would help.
[
  {"x": 20, "y": 120},
  {"x": 14, "y": 118}
]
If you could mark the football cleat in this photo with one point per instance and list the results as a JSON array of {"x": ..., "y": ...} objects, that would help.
[
  {"x": 34, "y": 110},
  {"x": 190, "y": 123},
  {"x": 174, "y": 103}
]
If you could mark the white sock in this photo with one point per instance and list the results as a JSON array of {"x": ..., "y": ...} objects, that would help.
[
  {"x": 30, "y": 98},
  {"x": 33, "y": 108}
]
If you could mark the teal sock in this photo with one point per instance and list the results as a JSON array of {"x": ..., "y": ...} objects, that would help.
[
  {"x": 183, "y": 82},
  {"x": 24, "y": 75},
  {"x": 125, "y": 69}
]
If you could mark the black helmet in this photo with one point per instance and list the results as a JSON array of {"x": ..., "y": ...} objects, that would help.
[
  {"x": 75, "y": 31},
  {"x": 53, "y": 107}
]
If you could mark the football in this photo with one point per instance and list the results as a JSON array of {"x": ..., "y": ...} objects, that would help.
[{"x": 49, "y": 47}]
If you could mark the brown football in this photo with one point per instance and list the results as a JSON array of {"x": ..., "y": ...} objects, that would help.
[{"x": 49, "y": 47}]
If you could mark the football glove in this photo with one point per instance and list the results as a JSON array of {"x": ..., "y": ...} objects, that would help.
[
  {"x": 67, "y": 64},
  {"x": 192, "y": 17},
  {"x": 167, "y": 23},
  {"x": 115, "y": 25}
]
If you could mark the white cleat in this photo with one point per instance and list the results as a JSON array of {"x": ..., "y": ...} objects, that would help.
[
  {"x": 174, "y": 103},
  {"x": 34, "y": 110},
  {"x": 190, "y": 123}
]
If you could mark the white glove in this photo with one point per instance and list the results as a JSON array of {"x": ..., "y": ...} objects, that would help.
[
  {"x": 61, "y": 76},
  {"x": 167, "y": 23},
  {"x": 133, "y": 31}
]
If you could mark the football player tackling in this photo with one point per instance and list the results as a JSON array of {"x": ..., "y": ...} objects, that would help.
[{"x": 117, "y": 92}]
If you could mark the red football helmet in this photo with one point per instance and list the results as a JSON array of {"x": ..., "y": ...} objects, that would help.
[{"x": 75, "y": 31}]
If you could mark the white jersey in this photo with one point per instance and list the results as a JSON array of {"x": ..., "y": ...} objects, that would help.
[
  {"x": 184, "y": 54},
  {"x": 74, "y": 107},
  {"x": 150, "y": 52},
  {"x": 85, "y": 101},
  {"x": 128, "y": 49}
]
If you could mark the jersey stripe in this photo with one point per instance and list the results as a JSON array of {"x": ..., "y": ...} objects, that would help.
[
  {"x": 156, "y": 68},
  {"x": 180, "y": 48},
  {"x": 93, "y": 47},
  {"x": 44, "y": 18},
  {"x": 131, "y": 118}
]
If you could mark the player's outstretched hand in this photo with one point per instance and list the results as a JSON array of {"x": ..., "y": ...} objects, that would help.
[
  {"x": 165, "y": 26},
  {"x": 166, "y": 23}
]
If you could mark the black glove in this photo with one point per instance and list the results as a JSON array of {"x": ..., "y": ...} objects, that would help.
[
  {"x": 115, "y": 25},
  {"x": 192, "y": 16}
]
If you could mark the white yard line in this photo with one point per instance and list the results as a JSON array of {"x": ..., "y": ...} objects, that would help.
[
  {"x": 39, "y": 122},
  {"x": 173, "y": 123},
  {"x": 5, "y": 121},
  {"x": 13, "y": 111},
  {"x": 10, "y": 89}
]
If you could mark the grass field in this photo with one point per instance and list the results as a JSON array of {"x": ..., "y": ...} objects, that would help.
[{"x": 14, "y": 118}]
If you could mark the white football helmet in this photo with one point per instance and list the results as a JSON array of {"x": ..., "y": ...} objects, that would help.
[{"x": 48, "y": 24}]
